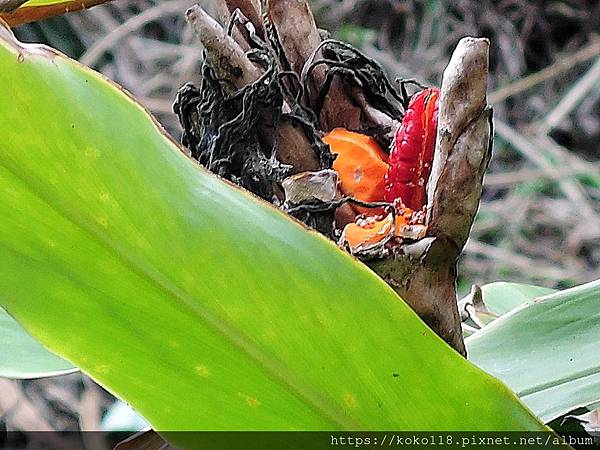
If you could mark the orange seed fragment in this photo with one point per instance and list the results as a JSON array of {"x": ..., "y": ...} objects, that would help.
[
  {"x": 361, "y": 165},
  {"x": 372, "y": 231}
]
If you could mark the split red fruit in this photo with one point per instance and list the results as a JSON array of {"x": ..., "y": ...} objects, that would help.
[{"x": 412, "y": 151}]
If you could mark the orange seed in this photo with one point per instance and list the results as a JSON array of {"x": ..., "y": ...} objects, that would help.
[{"x": 361, "y": 165}]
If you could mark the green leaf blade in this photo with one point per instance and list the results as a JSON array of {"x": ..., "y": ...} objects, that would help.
[
  {"x": 203, "y": 307},
  {"x": 546, "y": 350}
]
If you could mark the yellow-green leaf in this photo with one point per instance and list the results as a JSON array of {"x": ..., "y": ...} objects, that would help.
[{"x": 200, "y": 305}]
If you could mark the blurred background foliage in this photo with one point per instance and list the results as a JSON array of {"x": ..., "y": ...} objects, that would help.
[{"x": 539, "y": 221}]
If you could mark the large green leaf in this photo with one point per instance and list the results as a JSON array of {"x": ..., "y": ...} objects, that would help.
[
  {"x": 200, "y": 305},
  {"x": 546, "y": 350},
  {"x": 21, "y": 356}
]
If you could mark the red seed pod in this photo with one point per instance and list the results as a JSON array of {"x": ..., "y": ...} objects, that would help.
[{"x": 412, "y": 151}]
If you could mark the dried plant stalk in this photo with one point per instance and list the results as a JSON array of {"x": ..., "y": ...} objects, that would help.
[
  {"x": 463, "y": 145},
  {"x": 250, "y": 9},
  {"x": 225, "y": 9},
  {"x": 296, "y": 30}
]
